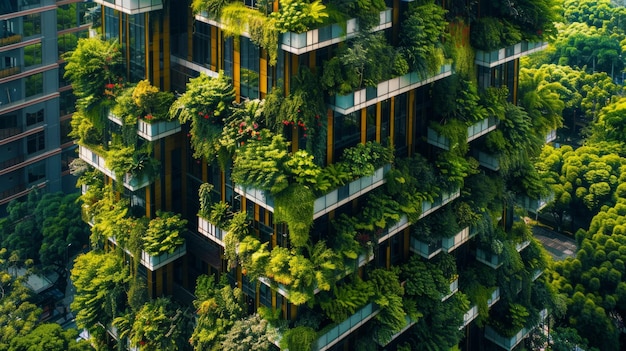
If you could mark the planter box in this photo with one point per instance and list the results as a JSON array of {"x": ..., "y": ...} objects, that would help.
[
  {"x": 399, "y": 226},
  {"x": 488, "y": 161},
  {"x": 426, "y": 250},
  {"x": 454, "y": 287},
  {"x": 450, "y": 244},
  {"x": 131, "y": 182},
  {"x": 211, "y": 231},
  {"x": 535, "y": 205},
  {"x": 300, "y": 43},
  {"x": 345, "y": 328},
  {"x": 497, "y": 57},
  {"x": 472, "y": 313},
  {"x": 474, "y": 131},
  {"x": 157, "y": 130},
  {"x": 430, "y": 207},
  {"x": 155, "y": 262},
  {"x": 362, "y": 98},
  {"x": 509, "y": 343},
  {"x": 132, "y": 7}
]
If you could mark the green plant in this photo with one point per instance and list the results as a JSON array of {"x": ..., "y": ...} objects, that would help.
[
  {"x": 300, "y": 338},
  {"x": 491, "y": 33},
  {"x": 298, "y": 16},
  {"x": 363, "y": 159},
  {"x": 212, "y": 7},
  {"x": 219, "y": 214},
  {"x": 294, "y": 206},
  {"x": 206, "y": 103},
  {"x": 424, "y": 29},
  {"x": 346, "y": 299},
  {"x": 164, "y": 233},
  {"x": 204, "y": 197}
]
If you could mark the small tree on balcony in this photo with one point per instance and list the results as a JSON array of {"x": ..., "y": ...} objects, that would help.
[{"x": 164, "y": 233}]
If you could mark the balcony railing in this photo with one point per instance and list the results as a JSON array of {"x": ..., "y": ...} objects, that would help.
[
  {"x": 551, "y": 136},
  {"x": 328, "y": 202},
  {"x": 300, "y": 43},
  {"x": 500, "y": 56},
  {"x": 211, "y": 231},
  {"x": 9, "y": 132},
  {"x": 151, "y": 131},
  {"x": 11, "y": 39},
  {"x": 472, "y": 313},
  {"x": 430, "y": 207},
  {"x": 132, "y": 7},
  {"x": 424, "y": 249},
  {"x": 362, "y": 98},
  {"x": 130, "y": 181},
  {"x": 155, "y": 262},
  {"x": 474, "y": 131},
  {"x": 509, "y": 343},
  {"x": 536, "y": 205},
  {"x": 9, "y": 71},
  {"x": 345, "y": 328},
  {"x": 18, "y": 191},
  {"x": 454, "y": 287},
  {"x": 450, "y": 244},
  {"x": 493, "y": 260},
  {"x": 488, "y": 161}
]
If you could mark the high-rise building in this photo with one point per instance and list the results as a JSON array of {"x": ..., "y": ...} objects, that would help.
[
  {"x": 36, "y": 103},
  {"x": 382, "y": 188}
]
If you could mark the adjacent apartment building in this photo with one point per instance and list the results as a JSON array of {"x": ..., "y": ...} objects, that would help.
[
  {"x": 36, "y": 104},
  {"x": 375, "y": 149}
]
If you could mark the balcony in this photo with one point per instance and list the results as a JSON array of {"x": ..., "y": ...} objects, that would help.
[
  {"x": 497, "y": 57},
  {"x": 450, "y": 244},
  {"x": 9, "y": 71},
  {"x": 474, "y": 131},
  {"x": 536, "y": 205},
  {"x": 551, "y": 136},
  {"x": 211, "y": 231},
  {"x": 328, "y": 202},
  {"x": 430, "y": 207},
  {"x": 345, "y": 328},
  {"x": 494, "y": 261},
  {"x": 300, "y": 43},
  {"x": 11, "y": 39},
  {"x": 454, "y": 287},
  {"x": 399, "y": 226},
  {"x": 488, "y": 161},
  {"x": 152, "y": 131},
  {"x": 424, "y": 249},
  {"x": 472, "y": 313},
  {"x": 132, "y": 7},
  {"x": 510, "y": 343},
  {"x": 131, "y": 182},
  {"x": 362, "y": 98},
  {"x": 18, "y": 191},
  {"x": 155, "y": 262}
]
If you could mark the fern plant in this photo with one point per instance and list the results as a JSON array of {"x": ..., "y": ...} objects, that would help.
[{"x": 164, "y": 233}]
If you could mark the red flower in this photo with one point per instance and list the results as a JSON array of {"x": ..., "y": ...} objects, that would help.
[
  {"x": 109, "y": 86},
  {"x": 206, "y": 116},
  {"x": 149, "y": 116}
]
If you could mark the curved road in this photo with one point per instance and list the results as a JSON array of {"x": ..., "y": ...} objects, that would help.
[{"x": 558, "y": 245}]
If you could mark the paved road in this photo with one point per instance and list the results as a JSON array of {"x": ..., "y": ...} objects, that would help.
[{"x": 558, "y": 245}]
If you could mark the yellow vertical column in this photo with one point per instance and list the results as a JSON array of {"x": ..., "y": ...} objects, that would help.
[
  {"x": 411, "y": 117},
  {"x": 329, "y": 136},
  {"x": 263, "y": 88},
  {"x": 237, "y": 68},
  {"x": 392, "y": 120},
  {"x": 378, "y": 121},
  {"x": 363, "y": 125}
]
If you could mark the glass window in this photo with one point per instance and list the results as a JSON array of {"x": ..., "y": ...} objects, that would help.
[
  {"x": 371, "y": 122},
  {"x": 35, "y": 142},
  {"x": 34, "y": 84},
  {"x": 202, "y": 43},
  {"x": 34, "y": 118},
  {"x": 69, "y": 41},
  {"x": 67, "y": 103},
  {"x": 111, "y": 24},
  {"x": 8, "y": 121},
  {"x": 399, "y": 125},
  {"x": 347, "y": 132},
  {"x": 36, "y": 172},
  {"x": 249, "y": 69},
  {"x": 137, "y": 47},
  {"x": 67, "y": 16},
  {"x": 32, "y": 25},
  {"x": 32, "y": 55},
  {"x": 67, "y": 156},
  {"x": 65, "y": 128}
]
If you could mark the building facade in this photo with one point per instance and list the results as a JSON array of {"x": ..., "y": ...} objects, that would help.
[
  {"x": 378, "y": 154},
  {"x": 37, "y": 103}
]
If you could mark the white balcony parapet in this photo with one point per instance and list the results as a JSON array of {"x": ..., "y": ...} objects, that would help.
[
  {"x": 154, "y": 262},
  {"x": 497, "y": 57},
  {"x": 152, "y": 131},
  {"x": 493, "y": 260},
  {"x": 131, "y": 182},
  {"x": 450, "y": 244},
  {"x": 132, "y": 7},
  {"x": 328, "y": 202},
  {"x": 474, "y": 131},
  {"x": 211, "y": 231},
  {"x": 427, "y": 208},
  {"x": 488, "y": 161},
  {"x": 408, "y": 324},
  {"x": 345, "y": 328},
  {"x": 509, "y": 343},
  {"x": 300, "y": 43},
  {"x": 536, "y": 205},
  {"x": 361, "y": 261},
  {"x": 446, "y": 197},
  {"x": 426, "y": 250},
  {"x": 362, "y": 98},
  {"x": 472, "y": 313},
  {"x": 454, "y": 287},
  {"x": 551, "y": 136}
]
